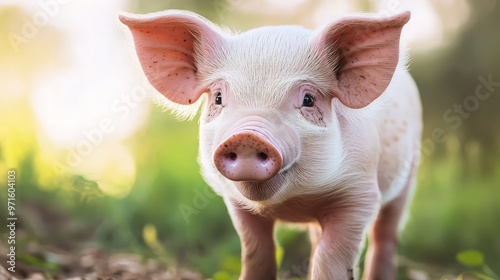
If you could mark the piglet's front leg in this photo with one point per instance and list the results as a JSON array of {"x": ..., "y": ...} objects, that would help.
[
  {"x": 257, "y": 243},
  {"x": 337, "y": 251}
]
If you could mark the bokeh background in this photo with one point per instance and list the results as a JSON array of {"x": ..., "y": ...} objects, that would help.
[{"x": 100, "y": 164}]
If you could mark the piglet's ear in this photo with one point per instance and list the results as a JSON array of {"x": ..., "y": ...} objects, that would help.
[
  {"x": 364, "y": 53},
  {"x": 168, "y": 45}
]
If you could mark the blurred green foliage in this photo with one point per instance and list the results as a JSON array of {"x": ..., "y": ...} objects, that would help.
[{"x": 171, "y": 214}]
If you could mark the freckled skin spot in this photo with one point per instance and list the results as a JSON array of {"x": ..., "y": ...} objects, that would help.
[
  {"x": 383, "y": 129},
  {"x": 314, "y": 115},
  {"x": 212, "y": 112},
  {"x": 386, "y": 142}
]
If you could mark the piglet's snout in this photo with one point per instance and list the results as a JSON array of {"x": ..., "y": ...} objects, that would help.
[{"x": 247, "y": 156}]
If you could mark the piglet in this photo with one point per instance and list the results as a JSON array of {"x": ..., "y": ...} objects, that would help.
[{"x": 317, "y": 127}]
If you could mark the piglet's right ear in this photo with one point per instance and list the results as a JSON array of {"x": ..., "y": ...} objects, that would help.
[{"x": 168, "y": 45}]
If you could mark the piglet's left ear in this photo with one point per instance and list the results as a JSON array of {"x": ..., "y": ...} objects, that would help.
[{"x": 364, "y": 53}]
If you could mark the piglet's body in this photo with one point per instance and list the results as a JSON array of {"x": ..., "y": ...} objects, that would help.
[{"x": 319, "y": 127}]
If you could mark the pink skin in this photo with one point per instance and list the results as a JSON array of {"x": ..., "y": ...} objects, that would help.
[{"x": 279, "y": 136}]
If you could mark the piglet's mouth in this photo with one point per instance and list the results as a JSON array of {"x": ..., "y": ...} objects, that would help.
[{"x": 260, "y": 190}]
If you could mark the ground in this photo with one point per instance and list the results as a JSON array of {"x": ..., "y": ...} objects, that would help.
[{"x": 92, "y": 263}]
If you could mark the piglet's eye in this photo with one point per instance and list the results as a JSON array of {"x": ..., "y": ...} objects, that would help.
[
  {"x": 218, "y": 98},
  {"x": 308, "y": 101}
]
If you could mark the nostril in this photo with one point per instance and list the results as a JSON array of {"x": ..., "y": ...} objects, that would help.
[
  {"x": 262, "y": 156},
  {"x": 231, "y": 156}
]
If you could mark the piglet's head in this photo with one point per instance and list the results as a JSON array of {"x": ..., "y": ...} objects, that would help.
[{"x": 268, "y": 127}]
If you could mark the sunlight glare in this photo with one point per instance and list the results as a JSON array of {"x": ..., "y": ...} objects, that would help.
[
  {"x": 98, "y": 80},
  {"x": 112, "y": 167}
]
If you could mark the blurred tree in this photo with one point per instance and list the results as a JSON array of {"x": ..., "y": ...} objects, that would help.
[{"x": 451, "y": 75}]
